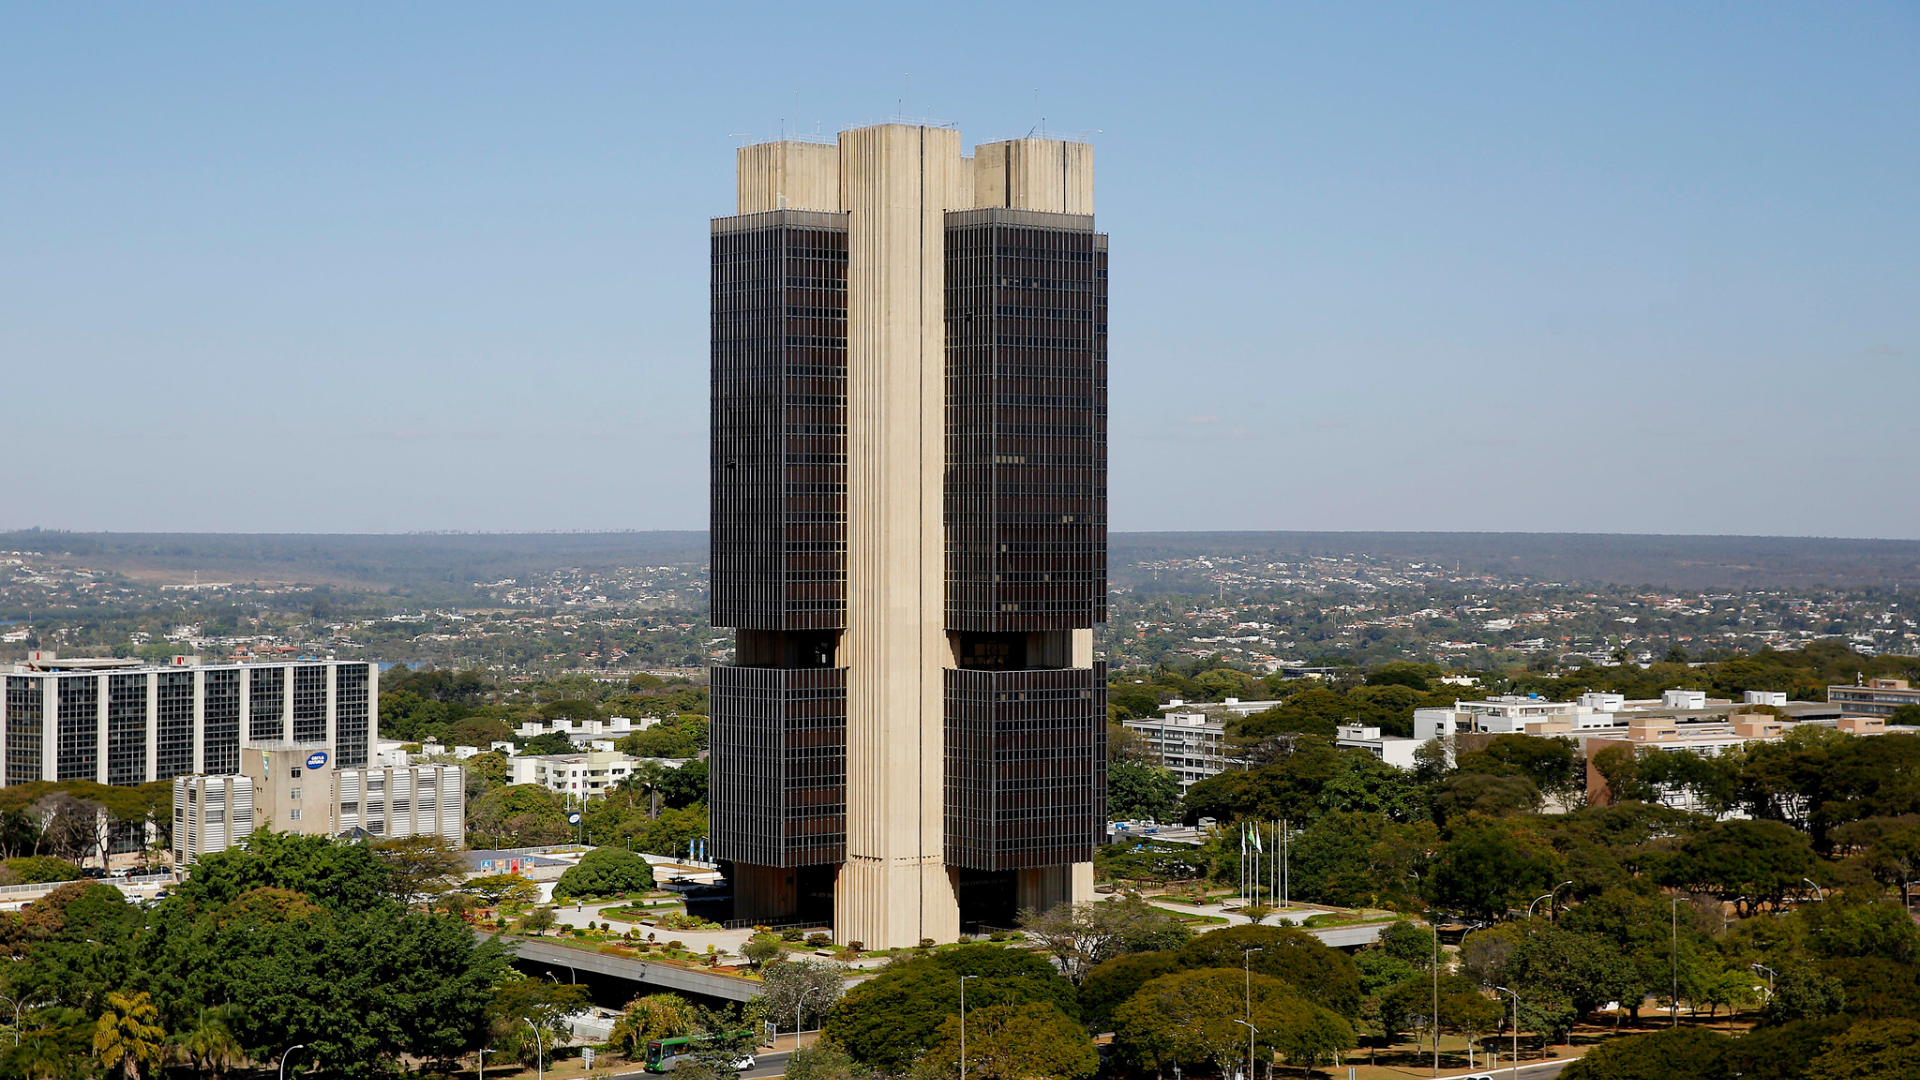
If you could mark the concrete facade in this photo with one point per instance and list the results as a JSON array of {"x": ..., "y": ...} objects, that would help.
[{"x": 896, "y": 184}]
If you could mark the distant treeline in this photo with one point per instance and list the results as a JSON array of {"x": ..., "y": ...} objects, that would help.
[
  {"x": 434, "y": 561},
  {"x": 1677, "y": 562}
]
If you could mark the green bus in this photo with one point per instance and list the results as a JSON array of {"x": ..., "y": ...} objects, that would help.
[{"x": 664, "y": 1054}]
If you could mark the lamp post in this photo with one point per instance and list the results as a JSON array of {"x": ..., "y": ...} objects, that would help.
[
  {"x": 1770, "y": 974},
  {"x": 1673, "y": 995},
  {"x": 1246, "y": 968},
  {"x": 963, "y": 1025},
  {"x": 1516, "y": 1030},
  {"x": 539, "y": 1052},
  {"x": 801, "y": 1000},
  {"x": 1536, "y": 900},
  {"x": 1817, "y": 890},
  {"x": 283, "y": 1057},
  {"x": 483, "y": 1061},
  {"x": 1251, "y": 1032},
  {"x": 16, "y": 1017}
]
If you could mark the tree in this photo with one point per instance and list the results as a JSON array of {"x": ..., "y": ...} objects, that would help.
[
  {"x": 210, "y": 1044},
  {"x": 1191, "y": 1017},
  {"x": 812, "y": 986},
  {"x": 126, "y": 1039},
  {"x": 504, "y": 890},
  {"x": 420, "y": 868},
  {"x": 823, "y": 1061},
  {"x": 362, "y": 989},
  {"x": 1562, "y": 975},
  {"x": 654, "y": 1016},
  {"x": 1139, "y": 791},
  {"x": 1318, "y": 973},
  {"x": 1674, "y": 1054},
  {"x": 552, "y": 742},
  {"x": 1748, "y": 863},
  {"x": 606, "y": 871},
  {"x": 684, "y": 786},
  {"x": 1031, "y": 1041},
  {"x": 1553, "y": 764},
  {"x": 343, "y": 876},
  {"x": 1081, "y": 936},
  {"x": 521, "y": 998},
  {"x": 888, "y": 1021},
  {"x": 1111, "y": 983},
  {"x": 518, "y": 815},
  {"x": 1870, "y": 1050},
  {"x": 539, "y": 920},
  {"x": 1486, "y": 794},
  {"x": 1485, "y": 868}
]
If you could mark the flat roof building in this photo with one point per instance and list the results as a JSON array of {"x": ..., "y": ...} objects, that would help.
[
  {"x": 128, "y": 722},
  {"x": 909, "y": 500},
  {"x": 1873, "y": 697},
  {"x": 296, "y": 789}
]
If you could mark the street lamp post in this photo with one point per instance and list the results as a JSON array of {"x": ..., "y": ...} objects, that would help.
[
  {"x": 1251, "y": 1032},
  {"x": 483, "y": 1061},
  {"x": 963, "y": 1025},
  {"x": 801, "y": 1000},
  {"x": 1673, "y": 994},
  {"x": 539, "y": 1052},
  {"x": 283, "y": 1057},
  {"x": 1817, "y": 890},
  {"x": 1516, "y": 1030},
  {"x": 1770, "y": 974},
  {"x": 1246, "y": 968}
]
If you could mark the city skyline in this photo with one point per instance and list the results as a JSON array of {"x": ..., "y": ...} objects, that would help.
[{"x": 1508, "y": 268}]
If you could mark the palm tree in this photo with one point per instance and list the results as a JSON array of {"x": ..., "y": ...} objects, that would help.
[
  {"x": 126, "y": 1037},
  {"x": 211, "y": 1044},
  {"x": 39, "y": 1055}
]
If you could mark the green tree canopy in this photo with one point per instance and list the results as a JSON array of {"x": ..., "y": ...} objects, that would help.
[
  {"x": 1029, "y": 1041},
  {"x": 605, "y": 871},
  {"x": 1675, "y": 1054},
  {"x": 889, "y": 1021},
  {"x": 1320, "y": 974}
]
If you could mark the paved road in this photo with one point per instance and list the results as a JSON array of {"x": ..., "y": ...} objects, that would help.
[
  {"x": 764, "y": 1065},
  {"x": 1539, "y": 1070}
]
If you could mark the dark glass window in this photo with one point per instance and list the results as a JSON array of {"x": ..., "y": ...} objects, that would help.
[
  {"x": 779, "y": 765},
  {"x": 267, "y": 704},
  {"x": 351, "y": 715},
  {"x": 1026, "y": 773},
  {"x": 26, "y": 696},
  {"x": 779, "y": 420},
  {"x": 173, "y": 750},
  {"x": 1026, "y": 440},
  {"x": 310, "y": 704},
  {"x": 126, "y": 729},
  {"x": 221, "y": 720},
  {"x": 78, "y": 757}
]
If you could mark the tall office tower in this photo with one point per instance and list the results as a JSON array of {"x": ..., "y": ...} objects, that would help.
[{"x": 909, "y": 531}]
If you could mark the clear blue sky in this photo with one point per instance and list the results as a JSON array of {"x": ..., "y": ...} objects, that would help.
[{"x": 391, "y": 267}]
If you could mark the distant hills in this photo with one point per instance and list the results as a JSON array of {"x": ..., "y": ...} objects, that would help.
[{"x": 451, "y": 562}]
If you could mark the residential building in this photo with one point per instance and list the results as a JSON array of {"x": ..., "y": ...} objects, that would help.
[
  {"x": 1873, "y": 697},
  {"x": 583, "y": 731},
  {"x": 1395, "y": 750},
  {"x": 130, "y": 722},
  {"x": 909, "y": 531},
  {"x": 294, "y": 788},
  {"x": 1192, "y": 745},
  {"x": 588, "y": 775}
]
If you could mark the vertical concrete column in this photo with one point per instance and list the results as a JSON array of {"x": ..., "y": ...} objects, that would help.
[
  {"x": 100, "y": 730},
  {"x": 896, "y": 182}
]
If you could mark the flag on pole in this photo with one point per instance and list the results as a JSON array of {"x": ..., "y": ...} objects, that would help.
[{"x": 1256, "y": 841}]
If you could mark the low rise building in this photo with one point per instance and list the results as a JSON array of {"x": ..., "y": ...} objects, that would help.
[
  {"x": 1395, "y": 750},
  {"x": 588, "y": 775},
  {"x": 1192, "y": 745},
  {"x": 1873, "y": 697},
  {"x": 293, "y": 788}
]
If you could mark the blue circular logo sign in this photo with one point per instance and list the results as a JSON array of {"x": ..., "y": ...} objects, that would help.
[
  {"x": 317, "y": 759},
  {"x": 573, "y": 819}
]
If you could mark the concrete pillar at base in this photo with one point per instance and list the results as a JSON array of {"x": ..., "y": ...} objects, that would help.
[
  {"x": 763, "y": 893},
  {"x": 1044, "y": 887},
  {"x": 894, "y": 906}
]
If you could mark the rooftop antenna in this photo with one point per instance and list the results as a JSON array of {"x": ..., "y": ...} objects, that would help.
[
  {"x": 906, "y": 93},
  {"x": 1038, "y": 120}
]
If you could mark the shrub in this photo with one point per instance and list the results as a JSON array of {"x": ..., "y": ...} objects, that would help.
[
  {"x": 818, "y": 939},
  {"x": 857, "y": 946},
  {"x": 676, "y": 946},
  {"x": 604, "y": 872},
  {"x": 926, "y": 943},
  {"x": 791, "y": 933},
  {"x": 997, "y": 935}
]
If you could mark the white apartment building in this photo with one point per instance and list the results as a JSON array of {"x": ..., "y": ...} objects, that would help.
[
  {"x": 583, "y": 731},
  {"x": 1191, "y": 744},
  {"x": 588, "y": 775},
  {"x": 1395, "y": 750}
]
